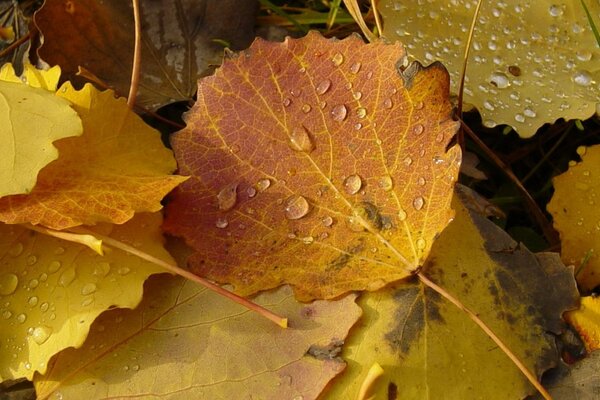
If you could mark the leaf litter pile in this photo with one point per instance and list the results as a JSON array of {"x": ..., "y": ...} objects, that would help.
[{"x": 322, "y": 176}]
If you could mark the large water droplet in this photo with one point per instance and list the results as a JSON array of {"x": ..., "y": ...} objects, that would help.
[
  {"x": 352, "y": 184},
  {"x": 323, "y": 86},
  {"x": 88, "y": 288},
  {"x": 296, "y": 207},
  {"x": 582, "y": 78},
  {"x": 500, "y": 80},
  {"x": 386, "y": 183},
  {"x": 300, "y": 140},
  {"x": 339, "y": 112},
  {"x": 221, "y": 223},
  {"x": 8, "y": 284},
  {"x": 263, "y": 184},
  {"x": 66, "y": 277},
  {"x": 418, "y": 203},
  {"x": 337, "y": 59},
  {"x": 41, "y": 334},
  {"x": 227, "y": 197}
]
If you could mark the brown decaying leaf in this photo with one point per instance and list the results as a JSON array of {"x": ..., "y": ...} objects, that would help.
[
  {"x": 180, "y": 41},
  {"x": 315, "y": 162}
]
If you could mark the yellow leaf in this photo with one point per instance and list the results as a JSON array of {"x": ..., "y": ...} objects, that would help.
[
  {"x": 184, "y": 341},
  {"x": 37, "y": 78},
  {"x": 429, "y": 348},
  {"x": 32, "y": 119},
  {"x": 117, "y": 167},
  {"x": 586, "y": 321},
  {"x": 51, "y": 290},
  {"x": 577, "y": 216}
]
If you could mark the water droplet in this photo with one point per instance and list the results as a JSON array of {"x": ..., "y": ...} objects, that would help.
[
  {"x": 402, "y": 215},
  {"x": 227, "y": 197},
  {"x": 386, "y": 183},
  {"x": 41, "y": 334},
  {"x": 581, "y": 150},
  {"x": 123, "y": 271},
  {"x": 251, "y": 192},
  {"x": 16, "y": 249},
  {"x": 296, "y": 207},
  {"x": 352, "y": 184},
  {"x": 44, "y": 307},
  {"x": 296, "y": 92},
  {"x": 519, "y": 118},
  {"x": 584, "y": 55},
  {"x": 27, "y": 365},
  {"x": 306, "y": 108},
  {"x": 418, "y": 203},
  {"x": 327, "y": 221},
  {"x": 421, "y": 181},
  {"x": 6, "y": 314},
  {"x": 32, "y": 259},
  {"x": 582, "y": 78},
  {"x": 387, "y": 103},
  {"x": 307, "y": 239},
  {"x": 357, "y": 95},
  {"x": 418, "y": 129},
  {"x": 87, "y": 301},
  {"x": 59, "y": 250},
  {"x": 355, "y": 68},
  {"x": 323, "y": 86},
  {"x": 339, "y": 112},
  {"x": 419, "y": 105},
  {"x": 555, "y": 10},
  {"x": 421, "y": 243},
  {"x": 300, "y": 140},
  {"x": 8, "y": 284},
  {"x": 33, "y": 300},
  {"x": 33, "y": 283},
  {"x": 263, "y": 184},
  {"x": 357, "y": 126},
  {"x": 135, "y": 367},
  {"x": 21, "y": 318},
  {"x": 66, "y": 277},
  {"x": 221, "y": 222},
  {"x": 287, "y": 101},
  {"x": 529, "y": 112},
  {"x": 337, "y": 59},
  {"x": 101, "y": 269},
  {"x": 361, "y": 112},
  {"x": 54, "y": 266},
  {"x": 499, "y": 80},
  {"x": 408, "y": 161},
  {"x": 440, "y": 137},
  {"x": 88, "y": 288}
]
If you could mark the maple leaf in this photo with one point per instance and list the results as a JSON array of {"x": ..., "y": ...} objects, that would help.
[
  {"x": 431, "y": 349},
  {"x": 52, "y": 290},
  {"x": 32, "y": 119},
  {"x": 117, "y": 167},
  {"x": 578, "y": 381},
  {"x": 185, "y": 341},
  {"x": 576, "y": 217},
  {"x": 530, "y": 62},
  {"x": 316, "y": 163},
  {"x": 181, "y": 41}
]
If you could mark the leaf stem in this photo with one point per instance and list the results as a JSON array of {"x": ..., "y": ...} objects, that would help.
[
  {"x": 528, "y": 374},
  {"x": 15, "y": 44},
  {"x": 85, "y": 239},
  {"x": 354, "y": 10},
  {"x": 137, "y": 54},
  {"x": 282, "y": 322}
]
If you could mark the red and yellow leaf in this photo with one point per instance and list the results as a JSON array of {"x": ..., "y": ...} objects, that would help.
[{"x": 317, "y": 163}]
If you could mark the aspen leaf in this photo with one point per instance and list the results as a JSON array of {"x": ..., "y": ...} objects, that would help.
[
  {"x": 117, "y": 167},
  {"x": 32, "y": 119},
  {"x": 586, "y": 320},
  {"x": 530, "y": 63},
  {"x": 429, "y": 348},
  {"x": 184, "y": 341},
  {"x": 316, "y": 163},
  {"x": 577, "y": 217},
  {"x": 52, "y": 290}
]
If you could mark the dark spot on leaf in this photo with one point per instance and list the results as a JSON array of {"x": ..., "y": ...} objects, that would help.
[
  {"x": 392, "y": 393},
  {"x": 307, "y": 312},
  {"x": 329, "y": 352},
  {"x": 514, "y": 70},
  {"x": 409, "y": 317}
]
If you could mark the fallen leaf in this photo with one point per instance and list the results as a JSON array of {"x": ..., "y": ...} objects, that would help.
[
  {"x": 117, "y": 167},
  {"x": 431, "y": 349},
  {"x": 181, "y": 41},
  {"x": 316, "y": 163},
  {"x": 577, "y": 218},
  {"x": 52, "y": 290},
  {"x": 186, "y": 342},
  {"x": 586, "y": 321},
  {"x": 530, "y": 63},
  {"x": 32, "y": 119}
]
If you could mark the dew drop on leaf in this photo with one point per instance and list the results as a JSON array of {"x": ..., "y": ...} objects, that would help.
[
  {"x": 16, "y": 249},
  {"x": 352, "y": 184},
  {"x": 582, "y": 78},
  {"x": 418, "y": 203},
  {"x": 323, "y": 86},
  {"x": 296, "y": 207},
  {"x": 581, "y": 150},
  {"x": 300, "y": 140},
  {"x": 355, "y": 68},
  {"x": 357, "y": 126},
  {"x": 251, "y": 192},
  {"x": 287, "y": 101},
  {"x": 386, "y": 183},
  {"x": 33, "y": 300},
  {"x": 499, "y": 80},
  {"x": 41, "y": 334},
  {"x": 418, "y": 129},
  {"x": 227, "y": 197},
  {"x": 357, "y": 95},
  {"x": 339, "y": 112},
  {"x": 6, "y": 314},
  {"x": 21, "y": 318},
  {"x": 54, "y": 266},
  {"x": 221, "y": 223},
  {"x": 421, "y": 243},
  {"x": 408, "y": 161},
  {"x": 327, "y": 221},
  {"x": 66, "y": 277},
  {"x": 421, "y": 181},
  {"x": 263, "y": 184},
  {"x": 402, "y": 215},
  {"x": 44, "y": 307},
  {"x": 8, "y": 284},
  {"x": 101, "y": 269},
  {"x": 33, "y": 283},
  {"x": 88, "y": 289},
  {"x": 306, "y": 108},
  {"x": 361, "y": 112},
  {"x": 123, "y": 271},
  {"x": 387, "y": 103},
  {"x": 419, "y": 105},
  {"x": 32, "y": 259},
  {"x": 337, "y": 59}
]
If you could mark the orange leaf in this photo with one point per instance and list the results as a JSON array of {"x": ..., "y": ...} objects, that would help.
[
  {"x": 316, "y": 163},
  {"x": 117, "y": 167}
]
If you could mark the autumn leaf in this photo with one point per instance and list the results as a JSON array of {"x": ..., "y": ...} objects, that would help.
[
  {"x": 530, "y": 62},
  {"x": 52, "y": 290},
  {"x": 586, "y": 320},
  {"x": 117, "y": 167},
  {"x": 181, "y": 41},
  {"x": 32, "y": 119},
  {"x": 431, "y": 349},
  {"x": 316, "y": 163},
  {"x": 577, "y": 218},
  {"x": 185, "y": 341}
]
